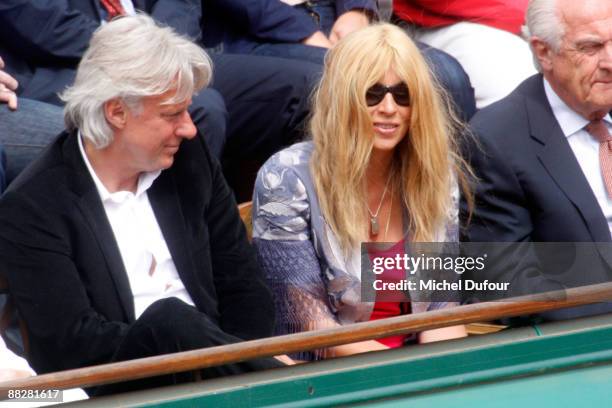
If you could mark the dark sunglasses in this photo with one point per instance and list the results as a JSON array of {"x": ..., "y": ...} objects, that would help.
[{"x": 377, "y": 93}]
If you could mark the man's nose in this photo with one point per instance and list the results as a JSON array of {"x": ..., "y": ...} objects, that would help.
[
  {"x": 606, "y": 59},
  {"x": 186, "y": 128}
]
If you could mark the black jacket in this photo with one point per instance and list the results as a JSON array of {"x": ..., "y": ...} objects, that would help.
[
  {"x": 65, "y": 270},
  {"x": 531, "y": 189}
]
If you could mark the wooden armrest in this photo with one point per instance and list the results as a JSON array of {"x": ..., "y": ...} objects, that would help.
[{"x": 231, "y": 353}]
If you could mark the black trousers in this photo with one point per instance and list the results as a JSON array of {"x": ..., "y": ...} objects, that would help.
[
  {"x": 267, "y": 100},
  {"x": 169, "y": 326},
  {"x": 209, "y": 114}
]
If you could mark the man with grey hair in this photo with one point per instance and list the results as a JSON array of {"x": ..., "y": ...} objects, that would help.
[
  {"x": 123, "y": 240},
  {"x": 544, "y": 165}
]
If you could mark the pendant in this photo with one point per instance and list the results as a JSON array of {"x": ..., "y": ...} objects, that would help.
[{"x": 374, "y": 228}]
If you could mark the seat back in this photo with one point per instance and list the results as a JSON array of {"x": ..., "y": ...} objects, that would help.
[{"x": 245, "y": 210}]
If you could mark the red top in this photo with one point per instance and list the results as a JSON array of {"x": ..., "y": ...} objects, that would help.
[
  {"x": 507, "y": 15},
  {"x": 388, "y": 309},
  {"x": 384, "y": 308}
]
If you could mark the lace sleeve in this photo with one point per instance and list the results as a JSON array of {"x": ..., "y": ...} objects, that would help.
[{"x": 281, "y": 236}]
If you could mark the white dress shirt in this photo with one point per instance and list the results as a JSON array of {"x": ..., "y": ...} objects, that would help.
[
  {"x": 146, "y": 258},
  {"x": 128, "y": 6},
  {"x": 584, "y": 146}
]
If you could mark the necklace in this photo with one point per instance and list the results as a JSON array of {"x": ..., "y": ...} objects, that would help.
[
  {"x": 374, "y": 225},
  {"x": 389, "y": 216}
]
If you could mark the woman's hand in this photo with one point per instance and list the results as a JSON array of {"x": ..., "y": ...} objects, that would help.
[
  {"x": 355, "y": 348},
  {"x": 445, "y": 333},
  {"x": 285, "y": 360},
  {"x": 7, "y": 374}
]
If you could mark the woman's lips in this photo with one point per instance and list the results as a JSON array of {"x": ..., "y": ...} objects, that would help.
[{"x": 385, "y": 128}]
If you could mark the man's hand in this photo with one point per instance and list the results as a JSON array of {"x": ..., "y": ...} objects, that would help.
[
  {"x": 8, "y": 86},
  {"x": 8, "y": 374},
  {"x": 348, "y": 22},
  {"x": 317, "y": 39}
]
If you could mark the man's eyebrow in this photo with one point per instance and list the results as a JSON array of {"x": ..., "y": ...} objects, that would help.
[
  {"x": 588, "y": 39},
  {"x": 173, "y": 107}
]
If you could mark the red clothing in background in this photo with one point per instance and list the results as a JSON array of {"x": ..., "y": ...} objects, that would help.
[{"x": 507, "y": 15}]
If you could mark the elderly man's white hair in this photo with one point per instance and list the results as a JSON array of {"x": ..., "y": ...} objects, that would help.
[
  {"x": 131, "y": 58},
  {"x": 543, "y": 21}
]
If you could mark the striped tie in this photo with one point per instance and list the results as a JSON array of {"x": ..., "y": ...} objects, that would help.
[
  {"x": 599, "y": 131},
  {"x": 114, "y": 8}
]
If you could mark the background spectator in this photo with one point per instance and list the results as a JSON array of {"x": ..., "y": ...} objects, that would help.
[
  {"x": 305, "y": 30},
  {"x": 481, "y": 34},
  {"x": 283, "y": 28}
]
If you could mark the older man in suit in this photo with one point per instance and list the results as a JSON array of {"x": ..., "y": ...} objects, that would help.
[
  {"x": 543, "y": 160},
  {"x": 123, "y": 240}
]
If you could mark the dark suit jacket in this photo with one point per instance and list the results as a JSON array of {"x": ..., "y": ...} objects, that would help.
[
  {"x": 65, "y": 270},
  {"x": 242, "y": 24},
  {"x": 42, "y": 41},
  {"x": 532, "y": 189}
]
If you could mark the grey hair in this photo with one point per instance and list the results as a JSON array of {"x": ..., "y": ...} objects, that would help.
[
  {"x": 130, "y": 58},
  {"x": 543, "y": 21}
]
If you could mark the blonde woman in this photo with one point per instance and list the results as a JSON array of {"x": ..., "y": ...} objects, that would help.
[{"x": 381, "y": 167}]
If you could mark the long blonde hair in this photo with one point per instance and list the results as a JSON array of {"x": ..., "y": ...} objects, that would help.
[{"x": 425, "y": 162}]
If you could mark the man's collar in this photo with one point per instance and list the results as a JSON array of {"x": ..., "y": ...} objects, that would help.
[
  {"x": 145, "y": 180},
  {"x": 569, "y": 120}
]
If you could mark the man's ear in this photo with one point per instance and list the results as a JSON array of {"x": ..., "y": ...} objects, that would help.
[
  {"x": 543, "y": 52},
  {"x": 115, "y": 113}
]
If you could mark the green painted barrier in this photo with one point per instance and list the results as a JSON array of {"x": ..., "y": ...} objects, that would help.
[{"x": 566, "y": 365}]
